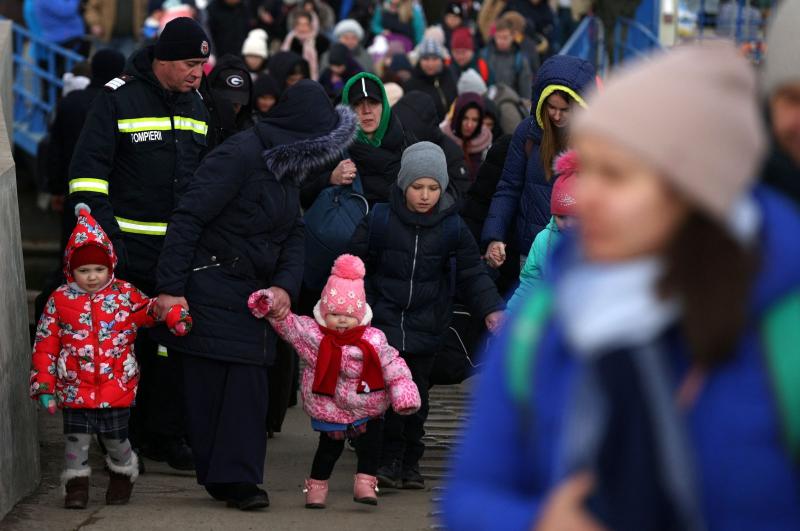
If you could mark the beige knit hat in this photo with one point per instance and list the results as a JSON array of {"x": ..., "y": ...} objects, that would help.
[{"x": 691, "y": 113}]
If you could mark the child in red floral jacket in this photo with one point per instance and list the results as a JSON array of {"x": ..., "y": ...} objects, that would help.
[{"x": 83, "y": 360}]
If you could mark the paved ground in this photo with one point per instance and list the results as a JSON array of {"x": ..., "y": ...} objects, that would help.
[{"x": 169, "y": 500}]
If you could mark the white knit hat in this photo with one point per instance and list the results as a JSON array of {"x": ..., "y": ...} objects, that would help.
[
  {"x": 348, "y": 25},
  {"x": 256, "y": 44},
  {"x": 471, "y": 81}
]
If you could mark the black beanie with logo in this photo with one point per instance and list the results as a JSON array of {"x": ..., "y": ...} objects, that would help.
[{"x": 183, "y": 38}]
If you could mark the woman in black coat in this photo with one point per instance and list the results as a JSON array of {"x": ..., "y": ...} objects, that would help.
[{"x": 236, "y": 229}]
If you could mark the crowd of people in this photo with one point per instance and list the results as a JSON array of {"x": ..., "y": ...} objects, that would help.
[{"x": 264, "y": 189}]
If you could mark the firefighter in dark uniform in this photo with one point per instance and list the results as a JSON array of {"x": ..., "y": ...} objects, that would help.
[{"x": 143, "y": 138}]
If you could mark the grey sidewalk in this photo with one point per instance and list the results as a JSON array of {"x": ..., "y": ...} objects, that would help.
[{"x": 170, "y": 500}]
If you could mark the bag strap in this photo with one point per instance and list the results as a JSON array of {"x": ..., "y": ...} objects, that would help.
[{"x": 781, "y": 336}]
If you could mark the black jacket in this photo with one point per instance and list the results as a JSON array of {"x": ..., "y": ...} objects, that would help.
[
  {"x": 441, "y": 88},
  {"x": 479, "y": 196},
  {"x": 408, "y": 282},
  {"x": 237, "y": 227},
  {"x": 229, "y": 25},
  {"x": 417, "y": 112},
  {"x": 283, "y": 64},
  {"x": 139, "y": 144}
]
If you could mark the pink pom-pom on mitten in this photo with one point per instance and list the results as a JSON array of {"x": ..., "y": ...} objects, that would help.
[
  {"x": 260, "y": 303},
  {"x": 179, "y": 321}
]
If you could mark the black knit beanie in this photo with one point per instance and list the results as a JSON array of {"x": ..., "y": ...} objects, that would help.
[{"x": 183, "y": 38}]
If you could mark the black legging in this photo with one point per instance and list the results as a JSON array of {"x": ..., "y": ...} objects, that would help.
[{"x": 368, "y": 450}]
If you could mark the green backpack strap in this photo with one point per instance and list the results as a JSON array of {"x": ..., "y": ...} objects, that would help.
[
  {"x": 781, "y": 333},
  {"x": 526, "y": 331}
]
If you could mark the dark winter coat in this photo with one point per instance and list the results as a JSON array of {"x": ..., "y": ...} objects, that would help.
[
  {"x": 237, "y": 227},
  {"x": 417, "y": 112},
  {"x": 441, "y": 88},
  {"x": 408, "y": 281},
  {"x": 521, "y": 204},
  {"x": 139, "y": 145},
  {"x": 479, "y": 197},
  {"x": 540, "y": 18},
  {"x": 229, "y": 26}
]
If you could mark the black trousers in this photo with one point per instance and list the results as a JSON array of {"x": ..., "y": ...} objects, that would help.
[
  {"x": 227, "y": 418},
  {"x": 368, "y": 450},
  {"x": 402, "y": 435},
  {"x": 159, "y": 415}
]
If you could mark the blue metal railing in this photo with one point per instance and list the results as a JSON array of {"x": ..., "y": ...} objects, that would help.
[
  {"x": 589, "y": 42},
  {"x": 36, "y": 85}
]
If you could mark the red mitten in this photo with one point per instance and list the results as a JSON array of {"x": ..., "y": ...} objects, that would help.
[
  {"x": 260, "y": 303},
  {"x": 179, "y": 321}
]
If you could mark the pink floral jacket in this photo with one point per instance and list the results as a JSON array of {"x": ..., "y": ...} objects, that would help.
[{"x": 347, "y": 405}]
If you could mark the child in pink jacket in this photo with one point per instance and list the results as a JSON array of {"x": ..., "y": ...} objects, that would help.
[{"x": 352, "y": 377}]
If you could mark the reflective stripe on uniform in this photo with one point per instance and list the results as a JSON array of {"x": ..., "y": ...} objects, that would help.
[
  {"x": 149, "y": 228},
  {"x": 162, "y": 351},
  {"x": 161, "y": 123},
  {"x": 153, "y": 123},
  {"x": 190, "y": 124},
  {"x": 99, "y": 186}
]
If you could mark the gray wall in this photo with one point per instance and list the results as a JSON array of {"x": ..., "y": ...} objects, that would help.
[{"x": 19, "y": 443}]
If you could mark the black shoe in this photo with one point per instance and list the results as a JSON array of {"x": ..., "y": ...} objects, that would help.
[
  {"x": 389, "y": 475},
  {"x": 412, "y": 479},
  {"x": 246, "y": 497},
  {"x": 217, "y": 491},
  {"x": 179, "y": 456}
]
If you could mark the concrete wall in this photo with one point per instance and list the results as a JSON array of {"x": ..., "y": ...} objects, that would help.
[
  {"x": 19, "y": 443},
  {"x": 6, "y": 74}
]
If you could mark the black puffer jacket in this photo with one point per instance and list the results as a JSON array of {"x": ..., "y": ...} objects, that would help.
[
  {"x": 441, "y": 88},
  {"x": 417, "y": 112},
  {"x": 479, "y": 197},
  {"x": 237, "y": 227},
  {"x": 378, "y": 166},
  {"x": 408, "y": 280}
]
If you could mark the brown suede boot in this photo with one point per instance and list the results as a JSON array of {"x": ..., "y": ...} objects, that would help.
[
  {"x": 121, "y": 480},
  {"x": 76, "y": 489}
]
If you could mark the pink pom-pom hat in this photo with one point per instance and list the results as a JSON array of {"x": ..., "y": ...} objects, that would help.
[
  {"x": 344, "y": 293},
  {"x": 562, "y": 200}
]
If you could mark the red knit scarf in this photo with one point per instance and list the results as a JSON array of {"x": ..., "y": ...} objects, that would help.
[{"x": 329, "y": 361}]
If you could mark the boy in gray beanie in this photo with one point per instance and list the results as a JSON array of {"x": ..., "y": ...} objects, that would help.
[
  {"x": 423, "y": 160},
  {"x": 420, "y": 255}
]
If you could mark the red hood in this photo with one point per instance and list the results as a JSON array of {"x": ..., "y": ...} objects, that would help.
[{"x": 87, "y": 232}]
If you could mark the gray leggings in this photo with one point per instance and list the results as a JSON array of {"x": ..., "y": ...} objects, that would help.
[{"x": 76, "y": 450}]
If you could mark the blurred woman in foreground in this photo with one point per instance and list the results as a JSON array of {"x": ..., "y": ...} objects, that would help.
[{"x": 651, "y": 383}]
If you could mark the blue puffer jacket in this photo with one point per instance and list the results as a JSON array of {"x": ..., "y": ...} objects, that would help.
[
  {"x": 523, "y": 193},
  {"x": 747, "y": 480}
]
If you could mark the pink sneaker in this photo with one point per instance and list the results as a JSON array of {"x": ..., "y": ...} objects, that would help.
[
  {"x": 365, "y": 489},
  {"x": 316, "y": 493}
]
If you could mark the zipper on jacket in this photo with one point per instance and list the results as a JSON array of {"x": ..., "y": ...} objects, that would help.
[
  {"x": 442, "y": 97},
  {"x": 96, "y": 355},
  {"x": 410, "y": 288}
]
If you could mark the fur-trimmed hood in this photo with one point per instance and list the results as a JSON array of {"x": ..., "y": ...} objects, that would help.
[{"x": 304, "y": 131}]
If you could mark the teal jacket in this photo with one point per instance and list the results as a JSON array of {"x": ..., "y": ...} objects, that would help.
[{"x": 533, "y": 271}]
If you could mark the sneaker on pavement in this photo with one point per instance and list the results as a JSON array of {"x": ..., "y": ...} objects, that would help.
[{"x": 389, "y": 476}]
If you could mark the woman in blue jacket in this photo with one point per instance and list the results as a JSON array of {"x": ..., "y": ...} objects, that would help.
[
  {"x": 653, "y": 390},
  {"x": 523, "y": 193}
]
